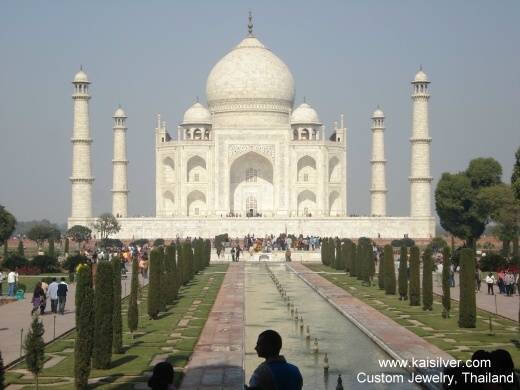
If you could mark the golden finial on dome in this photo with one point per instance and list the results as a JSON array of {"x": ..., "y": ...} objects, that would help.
[{"x": 250, "y": 24}]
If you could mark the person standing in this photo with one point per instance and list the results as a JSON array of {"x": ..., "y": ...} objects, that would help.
[
  {"x": 490, "y": 280},
  {"x": 438, "y": 273},
  {"x": 452, "y": 275},
  {"x": 509, "y": 282},
  {"x": 233, "y": 252},
  {"x": 45, "y": 287},
  {"x": 38, "y": 298},
  {"x": 478, "y": 278},
  {"x": 2, "y": 277},
  {"x": 52, "y": 292},
  {"x": 146, "y": 264},
  {"x": 238, "y": 251},
  {"x": 275, "y": 373},
  {"x": 62, "y": 295},
  {"x": 12, "y": 278}
]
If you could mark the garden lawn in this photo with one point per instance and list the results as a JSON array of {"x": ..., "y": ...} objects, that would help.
[
  {"x": 174, "y": 335},
  {"x": 444, "y": 333}
]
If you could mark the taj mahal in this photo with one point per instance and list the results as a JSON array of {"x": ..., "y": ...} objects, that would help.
[{"x": 215, "y": 175}]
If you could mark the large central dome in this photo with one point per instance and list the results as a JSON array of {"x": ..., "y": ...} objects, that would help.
[{"x": 250, "y": 78}]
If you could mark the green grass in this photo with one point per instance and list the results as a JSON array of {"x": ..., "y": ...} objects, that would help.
[
  {"x": 153, "y": 337},
  {"x": 444, "y": 333}
]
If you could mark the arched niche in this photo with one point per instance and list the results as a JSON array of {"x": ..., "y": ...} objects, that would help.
[
  {"x": 240, "y": 188},
  {"x": 334, "y": 204},
  {"x": 307, "y": 169},
  {"x": 196, "y": 169},
  {"x": 168, "y": 170},
  {"x": 307, "y": 203},
  {"x": 334, "y": 170},
  {"x": 196, "y": 203},
  {"x": 168, "y": 203}
]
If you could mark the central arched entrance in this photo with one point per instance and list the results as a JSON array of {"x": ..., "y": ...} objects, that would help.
[{"x": 251, "y": 189}]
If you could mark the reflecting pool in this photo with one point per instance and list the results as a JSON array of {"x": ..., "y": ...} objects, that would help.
[{"x": 350, "y": 352}]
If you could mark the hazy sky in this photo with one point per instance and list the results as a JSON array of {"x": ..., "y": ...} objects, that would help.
[{"x": 347, "y": 57}]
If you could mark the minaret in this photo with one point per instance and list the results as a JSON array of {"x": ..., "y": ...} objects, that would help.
[
  {"x": 119, "y": 187},
  {"x": 420, "y": 179},
  {"x": 378, "y": 190},
  {"x": 81, "y": 178}
]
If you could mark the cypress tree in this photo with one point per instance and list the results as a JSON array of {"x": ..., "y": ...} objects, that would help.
[
  {"x": 339, "y": 256},
  {"x": 332, "y": 252},
  {"x": 185, "y": 262},
  {"x": 154, "y": 285},
  {"x": 103, "y": 309},
  {"x": 427, "y": 280},
  {"x": 66, "y": 249},
  {"x": 170, "y": 271},
  {"x": 323, "y": 252},
  {"x": 353, "y": 259},
  {"x": 117, "y": 317},
  {"x": 207, "y": 245},
  {"x": 198, "y": 255},
  {"x": 403, "y": 274},
  {"x": 51, "y": 247},
  {"x": 367, "y": 262},
  {"x": 2, "y": 373},
  {"x": 35, "y": 348},
  {"x": 191, "y": 265},
  {"x": 163, "y": 286},
  {"x": 359, "y": 261},
  {"x": 20, "y": 248},
  {"x": 381, "y": 279},
  {"x": 133, "y": 312},
  {"x": 84, "y": 328},
  {"x": 372, "y": 268},
  {"x": 446, "y": 292},
  {"x": 415, "y": 277},
  {"x": 345, "y": 255},
  {"x": 390, "y": 282},
  {"x": 468, "y": 305}
]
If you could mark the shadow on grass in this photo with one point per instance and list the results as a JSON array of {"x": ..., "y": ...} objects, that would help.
[
  {"x": 122, "y": 360},
  {"x": 516, "y": 343}
]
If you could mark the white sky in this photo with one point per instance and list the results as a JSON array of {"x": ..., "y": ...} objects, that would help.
[{"x": 346, "y": 57}]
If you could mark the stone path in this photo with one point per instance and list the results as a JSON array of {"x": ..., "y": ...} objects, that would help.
[{"x": 218, "y": 359}]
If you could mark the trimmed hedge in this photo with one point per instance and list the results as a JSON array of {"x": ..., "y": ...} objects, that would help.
[
  {"x": 468, "y": 304},
  {"x": 427, "y": 280},
  {"x": 390, "y": 283},
  {"x": 103, "y": 304},
  {"x": 403, "y": 274},
  {"x": 415, "y": 277}
]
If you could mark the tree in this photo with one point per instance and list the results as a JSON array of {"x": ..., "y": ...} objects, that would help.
[
  {"x": 106, "y": 225},
  {"x": 446, "y": 293},
  {"x": 21, "y": 250},
  {"x": 84, "y": 328},
  {"x": 2, "y": 373},
  {"x": 382, "y": 273},
  {"x": 7, "y": 224},
  {"x": 51, "y": 247},
  {"x": 41, "y": 233},
  {"x": 415, "y": 277},
  {"x": 468, "y": 304},
  {"x": 66, "y": 248},
  {"x": 117, "y": 318},
  {"x": 79, "y": 233},
  {"x": 35, "y": 348},
  {"x": 154, "y": 286},
  {"x": 390, "y": 270},
  {"x": 403, "y": 274},
  {"x": 427, "y": 281},
  {"x": 171, "y": 274},
  {"x": 367, "y": 262},
  {"x": 103, "y": 303},
  {"x": 437, "y": 244},
  {"x": 133, "y": 312},
  {"x": 353, "y": 259},
  {"x": 456, "y": 198},
  {"x": 359, "y": 261}
]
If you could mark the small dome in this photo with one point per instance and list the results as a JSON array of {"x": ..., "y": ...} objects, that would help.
[
  {"x": 420, "y": 77},
  {"x": 378, "y": 114},
  {"x": 305, "y": 114},
  {"x": 197, "y": 114},
  {"x": 119, "y": 113},
  {"x": 81, "y": 77}
]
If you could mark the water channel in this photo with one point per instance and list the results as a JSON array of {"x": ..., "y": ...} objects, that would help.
[{"x": 350, "y": 351}]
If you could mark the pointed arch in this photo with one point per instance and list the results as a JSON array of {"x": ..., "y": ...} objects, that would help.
[
  {"x": 196, "y": 169},
  {"x": 168, "y": 203},
  {"x": 307, "y": 170},
  {"x": 168, "y": 170},
  {"x": 334, "y": 203},
  {"x": 196, "y": 203},
  {"x": 334, "y": 170},
  {"x": 306, "y": 203}
]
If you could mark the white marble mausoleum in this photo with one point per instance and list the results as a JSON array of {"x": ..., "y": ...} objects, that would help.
[{"x": 250, "y": 163}]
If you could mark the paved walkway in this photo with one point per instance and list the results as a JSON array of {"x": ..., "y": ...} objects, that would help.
[
  {"x": 218, "y": 359},
  {"x": 15, "y": 318}
]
